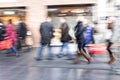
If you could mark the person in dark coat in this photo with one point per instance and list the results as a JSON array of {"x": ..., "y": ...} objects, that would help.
[
  {"x": 80, "y": 38},
  {"x": 21, "y": 32},
  {"x": 65, "y": 39},
  {"x": 46, "y": 30}
]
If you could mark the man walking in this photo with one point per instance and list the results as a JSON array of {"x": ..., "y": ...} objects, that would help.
[{"x": 46, "y": 30}]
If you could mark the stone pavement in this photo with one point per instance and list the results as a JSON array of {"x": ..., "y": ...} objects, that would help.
[{"x": 26, "y": 68}]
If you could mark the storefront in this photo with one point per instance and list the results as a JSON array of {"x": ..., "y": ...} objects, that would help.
[
  {"x": 14, "y": 13},
  {"x": 35, "y": 11},
  {"x": 70, "y": 13}
]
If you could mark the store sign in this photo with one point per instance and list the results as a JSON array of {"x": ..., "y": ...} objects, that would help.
[{"x": 2, "y": 1}]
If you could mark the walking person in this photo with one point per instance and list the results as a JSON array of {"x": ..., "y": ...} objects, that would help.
[
  {"x": 80, "y": 38},
  {"x": 109, "y": 35},
  {"x": 65, "y": 39},
  {"x": 46, "y": 30},
  {"x": 21, "y": 32},
  {"x": 11, "y": 34},
  {"x": 88, "y": 36}
]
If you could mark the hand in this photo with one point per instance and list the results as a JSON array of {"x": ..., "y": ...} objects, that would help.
[{"x": 6, "y": 37}]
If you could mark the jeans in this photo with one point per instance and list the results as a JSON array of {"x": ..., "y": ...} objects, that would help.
[
  {"x": 13, "y": 49},
  {"x": 40, "y": 53},
  {"x": 69, "y": 54}
]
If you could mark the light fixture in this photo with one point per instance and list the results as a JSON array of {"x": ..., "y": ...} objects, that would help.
[
  {"x": 52, "y": 9},
  {"x": 9, "y": 12},
  {"x": 78, "y": 11}
]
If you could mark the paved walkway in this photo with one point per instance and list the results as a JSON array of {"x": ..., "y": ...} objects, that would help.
[{"x": 26, "y": 68}]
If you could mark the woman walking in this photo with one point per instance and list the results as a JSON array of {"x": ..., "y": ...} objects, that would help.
[
  {"x": 80, "y": 38},
  {"x": 109, "y": 35}
]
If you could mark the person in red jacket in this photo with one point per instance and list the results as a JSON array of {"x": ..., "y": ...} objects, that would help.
[{"x": 11, "y": 34}]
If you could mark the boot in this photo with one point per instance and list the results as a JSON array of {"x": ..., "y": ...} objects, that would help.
[
  {"x": 76, "y": 59},
  {"x": 112, "y": 59},
  {"x": 86, "y": 56}
]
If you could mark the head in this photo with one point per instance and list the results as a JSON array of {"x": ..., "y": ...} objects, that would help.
[
  {"x": 86, "y": 22},
  {"x": 48, "y": 19},
  {"x": 80, "y": 19},
  {"x": 95, "y": 22},
  {"x": 62, "y": 20},
  {"x": 20, "y": 20},
  {"x": 110, "y": 19},
  {"x": 10, "y": 21}
]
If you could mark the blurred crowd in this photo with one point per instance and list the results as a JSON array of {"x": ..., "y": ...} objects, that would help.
[
  {"x": 82, "y": 35},
  {"x": 15, "y": 34},
  {"x": 83, "y": 32}
]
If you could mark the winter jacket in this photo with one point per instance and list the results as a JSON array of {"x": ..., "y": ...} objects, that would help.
[
  {"x": 22, "y": 30},
  {"x": 65, "y": 33},
  {"x": 79, "y": 32},
  {"x": 46, "y": 30},
  {"x": 11, "y": 32},
  {"x": 88, "y": 31}
]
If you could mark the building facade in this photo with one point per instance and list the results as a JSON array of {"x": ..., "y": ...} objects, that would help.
[{"x": 35, "y": 11}]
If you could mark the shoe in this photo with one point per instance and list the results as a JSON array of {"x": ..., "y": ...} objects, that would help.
[
  {"x": 38, "y": 59},
  {"x": 59, "y": 56},
  {"x": 70, "y": 59},
  {"x": 50, "y": 59},
  {"x": 112, "y": 59}
]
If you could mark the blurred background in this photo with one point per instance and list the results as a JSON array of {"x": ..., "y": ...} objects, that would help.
[{"x": 33, "y": 12}]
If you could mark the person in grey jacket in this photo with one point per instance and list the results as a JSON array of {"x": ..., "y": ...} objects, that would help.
[{"x": 46, "y": 30}]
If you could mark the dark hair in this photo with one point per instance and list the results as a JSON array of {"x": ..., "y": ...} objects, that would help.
[
  {"x": 95, "y": 22},
  {"x": 79, "y": 22},
  {"x": 10, "y": 21}
]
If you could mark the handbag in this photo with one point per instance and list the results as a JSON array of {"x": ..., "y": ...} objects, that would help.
[
  {"x": 97, "y": 48},
  {"x": 5, "y": 44}
]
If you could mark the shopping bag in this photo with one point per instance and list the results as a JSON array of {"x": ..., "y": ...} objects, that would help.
[
  {"x": 97, "y": 48},
  {"x": 5, "y": 44}
]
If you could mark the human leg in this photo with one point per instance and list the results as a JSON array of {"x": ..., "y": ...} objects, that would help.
[
  {"x": 112, "y": 56},
  {"x": 60, "y": 54},
  {"x": 50, "y": 54},
  {"x": 40, "y": 52},
  {"x": 69, "y": 54}
]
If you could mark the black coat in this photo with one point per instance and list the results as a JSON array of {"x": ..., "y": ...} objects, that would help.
[
  {"x": 46, "y": 30},
  {"x": 22, "y": 30},
  {"x": 65, "y": 33},
  {"x": 79, "y": 32}
]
